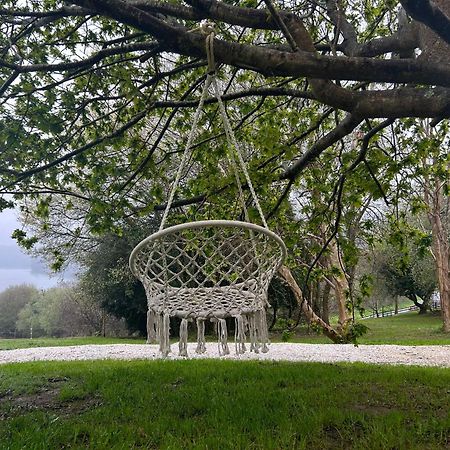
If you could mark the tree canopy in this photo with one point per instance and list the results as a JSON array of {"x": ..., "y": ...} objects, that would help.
[{"x": 97, "y": 97}]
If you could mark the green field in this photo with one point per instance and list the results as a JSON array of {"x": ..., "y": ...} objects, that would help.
[
  {"x": 403, "y": 329},
  {"x": 222, "y": 404},
  {"x": 406, "y": 329},
  {"x": 9, "y": 344}
]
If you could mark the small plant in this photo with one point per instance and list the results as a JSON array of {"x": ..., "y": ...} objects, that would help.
[
  {"x": 352, "y": 331},
  {"x": 286, "y": 335}
]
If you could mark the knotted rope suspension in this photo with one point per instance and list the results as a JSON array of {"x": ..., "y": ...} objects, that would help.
[
  {"x": 209, "y": 270},
  {"x": 211, "y": 79}
]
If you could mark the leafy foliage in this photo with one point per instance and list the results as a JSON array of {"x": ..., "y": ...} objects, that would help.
[
  {"x": 12, "y": 300},
  {"x": 108, "y": 281}
]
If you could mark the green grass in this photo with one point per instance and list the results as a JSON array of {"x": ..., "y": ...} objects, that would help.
[
  {"x": 406, "y": 329},
  {"x": 402, "y": 329},
  {"x": 207, "y": 404},
  {"x": 9, "y": 344}
]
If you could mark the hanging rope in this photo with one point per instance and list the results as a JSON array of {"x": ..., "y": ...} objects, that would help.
[
  {"x": 187, "y": 151},
  {"x": 234, "y": 145},
  {"x": 208, "y": 29}
]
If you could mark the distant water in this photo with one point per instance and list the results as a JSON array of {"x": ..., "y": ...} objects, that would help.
[{"x": 10, "y": 277}]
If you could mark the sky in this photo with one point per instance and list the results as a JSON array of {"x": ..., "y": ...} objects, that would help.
[{"x": 16, "y": 267}]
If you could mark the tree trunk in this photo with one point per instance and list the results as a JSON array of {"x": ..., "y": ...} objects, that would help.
[
  {"x": 326, "y": 303},
  {"x": 423, "y": 306},
  {"x": 103, "y": 323},
  {"x": 274, "y": 318},
  {"x": 435, "y": 202},
  {"x": 316, "y": 299},
  {"x": 423, "y": 309},
  {"x": 441, "y": 249},
  {"x": 396, "y": 305},
  {"x": 341, "y": 288},
  {"x": 311, "y": 317}
]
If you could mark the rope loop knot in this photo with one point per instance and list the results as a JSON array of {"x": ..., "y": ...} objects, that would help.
[{"x": 209, "y": 29}]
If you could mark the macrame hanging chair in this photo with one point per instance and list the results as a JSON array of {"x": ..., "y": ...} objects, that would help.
[{"x": 212, "y": 269}]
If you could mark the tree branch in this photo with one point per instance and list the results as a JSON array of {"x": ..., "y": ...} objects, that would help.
[
  {"x": 78, "y": 151},
  {"x": 345, "y": 127},
  {"x": 428, "y": 13},
  {"x": 62, "y": 12},
  {"x": 258, "y": 18},
  {"x": 271, "y": 62},
  {"x": 255, "y": 92},
  {"x": 350, "y": 45},
  {"x": 90, "y": 61}
]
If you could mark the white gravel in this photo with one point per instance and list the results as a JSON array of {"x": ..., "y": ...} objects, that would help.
[{"x": 436, "y": 355}]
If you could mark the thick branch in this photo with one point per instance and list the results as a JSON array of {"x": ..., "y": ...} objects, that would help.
[
  {"x": 402, "y": 41},
  {"x": 427, "y": 12},
  {"x": 273, "y": 62},
  {"x": 257, "y": 18},
  {"x": 310, "y": 315},
  {"x": 350, "y": 44}
]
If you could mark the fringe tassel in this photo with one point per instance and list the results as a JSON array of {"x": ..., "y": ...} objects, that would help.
[
  {"x": 164, "y": 330},
  {"x": 183, "y": 338},
  {"x": 253, "y": 329},
  {"x": 201, "y": 343},
  {"x": 158, "y": 327},
  {"x": 263, "y": 331},
  {"x": 223, "y": 337},
  {"x": 239, "y": 335},
  {"x": 151, "y": 327}
]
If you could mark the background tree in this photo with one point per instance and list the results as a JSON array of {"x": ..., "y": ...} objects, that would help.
[
  {"x": 29, "y": 317},
  {"x": 12, "y": 300},
  {"x": 423, "y": 161},
  {"x": 64, "y": 311},
  {"x": 409, "y": 275},
  {"x": 107, "y": 280},
  {"x": 399, "y": 262}
]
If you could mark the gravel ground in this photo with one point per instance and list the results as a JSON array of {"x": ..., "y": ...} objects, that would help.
[{"x": 436, "y": 355}]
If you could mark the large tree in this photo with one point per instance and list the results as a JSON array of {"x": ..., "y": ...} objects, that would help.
[{"x": 97, "y": 96}]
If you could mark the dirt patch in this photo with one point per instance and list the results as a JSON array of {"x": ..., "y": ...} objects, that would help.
[
  {"x": 374, "y": 409},
  {"x": 46, "y": 399}
]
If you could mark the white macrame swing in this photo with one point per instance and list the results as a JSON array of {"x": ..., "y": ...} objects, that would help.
[{"x": 212, "y": 269}]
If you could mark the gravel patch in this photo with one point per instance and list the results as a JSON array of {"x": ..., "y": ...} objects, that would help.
[{"x": 436, "y": 355}]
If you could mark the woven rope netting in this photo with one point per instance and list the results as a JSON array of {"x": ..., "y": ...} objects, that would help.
[{"x": 209, "y": 270}]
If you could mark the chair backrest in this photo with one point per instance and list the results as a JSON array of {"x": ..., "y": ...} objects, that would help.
[{"x": 209, "y": 254}]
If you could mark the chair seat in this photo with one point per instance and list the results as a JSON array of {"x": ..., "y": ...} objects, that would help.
[{"x": 219, "y": 302}]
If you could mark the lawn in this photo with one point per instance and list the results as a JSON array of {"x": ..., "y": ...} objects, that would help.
[
  {"x": 403, "y": 329},
  {"x": 222, "y": 404},
  {"x": 406, "y": 329},
  {"x": 9, "y": 344}
]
